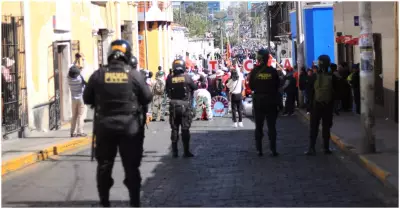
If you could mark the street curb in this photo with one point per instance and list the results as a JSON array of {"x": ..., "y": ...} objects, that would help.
[
  {"x": 41, "y": 155},
  {"x": 374, "y": 169}
]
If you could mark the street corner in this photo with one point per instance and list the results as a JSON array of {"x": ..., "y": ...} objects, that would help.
[{"x": 23, "y": 161}]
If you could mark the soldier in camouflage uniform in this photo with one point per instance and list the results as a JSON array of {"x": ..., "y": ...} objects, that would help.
[{"x": 158, "y": 105}]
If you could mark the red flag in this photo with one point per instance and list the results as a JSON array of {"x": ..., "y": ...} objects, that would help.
[{"x": 228, "y": 50}]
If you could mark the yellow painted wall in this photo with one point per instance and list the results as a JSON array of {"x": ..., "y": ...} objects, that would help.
[
  {"x": 11, "y": 8},
  {"x": 164, "y": 51},
  {"x": 82, "y": 31},
  {"x": 142, "y": 46},
  {"x": 41, "y": 35},
  {"x": 124, "y": 11},
  {"x": 152, "y": 47}
]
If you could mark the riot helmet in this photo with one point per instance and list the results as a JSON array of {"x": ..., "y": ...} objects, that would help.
[
  {"x": 324, "y": 63},
  {"x": 133, "y": 62},
  {"x": 178, "y": 66},
  {"x": 120, "y": 50}
]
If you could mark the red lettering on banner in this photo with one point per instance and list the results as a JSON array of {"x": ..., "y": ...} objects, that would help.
[
  {"x": 248, "y": 65},
  {"x": 287, "y": 64},
  {"x": 213, "y": 64}
]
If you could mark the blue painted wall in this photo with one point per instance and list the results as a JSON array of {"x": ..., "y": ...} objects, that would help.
[
  {"x": 319, "y": 34},
  {"x": 293, "y": 29}
]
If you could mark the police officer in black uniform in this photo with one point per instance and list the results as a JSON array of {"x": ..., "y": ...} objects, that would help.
[
  {"x": 143, "y": 108},
  {"x": 264, "y": 82},
  {"x": 180, "y": 88},
  {"x": 117, "y": 91}
]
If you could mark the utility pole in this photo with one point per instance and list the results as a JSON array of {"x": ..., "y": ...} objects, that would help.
[
  {"x": 367, "y": 79},
  {"x": 268, "y": 26},
  {"x": 222, "y": 38},
  {"x": 180, "y": 11},
  {"x": 300, "y": 45}
]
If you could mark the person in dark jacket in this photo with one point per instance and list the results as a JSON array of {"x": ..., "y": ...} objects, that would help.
[
  {"x": 309, "y": 85},
  {"x": 302, "y": 85},
  {"x": 355, "y": 85},
  {"x": 346, "y": 94},
  {"x": 290, "y": 89},
  {"x": 337, "y": 94}
]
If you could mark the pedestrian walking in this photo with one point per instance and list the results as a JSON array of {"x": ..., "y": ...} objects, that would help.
[
  {"x": 264, "y": 82},
  {"x": 180, "y": 88},
  {"x": 322, "y": 99},
  {"x": 118, "y": 92},
  {"x": 235, "y": 86}
]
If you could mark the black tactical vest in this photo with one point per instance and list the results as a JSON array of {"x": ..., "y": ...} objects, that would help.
[
  {"x": 178, "y": 88},
  {"x": 114, "y": 94},
  {"x": 265, "y": 81}
]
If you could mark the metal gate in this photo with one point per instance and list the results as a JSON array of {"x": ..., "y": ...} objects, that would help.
[
  {"x": 13, "y": 89},
  {"x": 55, "y": 108}
]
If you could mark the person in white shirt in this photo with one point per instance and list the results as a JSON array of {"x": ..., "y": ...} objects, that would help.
[
  {"x": 203, "y": 100},
  {"x": 235, "y": 85}
]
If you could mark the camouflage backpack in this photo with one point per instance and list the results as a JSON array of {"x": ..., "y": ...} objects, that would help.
[
  {"x": 159, "y": 87},
  {"x": 323, "y": 88}
]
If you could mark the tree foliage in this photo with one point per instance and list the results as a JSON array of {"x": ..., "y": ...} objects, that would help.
[{"x": 194, "y": 17}]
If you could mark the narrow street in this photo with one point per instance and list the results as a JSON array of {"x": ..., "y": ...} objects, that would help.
[{"x": 226, "y": 172}]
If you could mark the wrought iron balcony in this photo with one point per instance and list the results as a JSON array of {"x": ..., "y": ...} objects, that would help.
[{"x": 283, "y": 28}]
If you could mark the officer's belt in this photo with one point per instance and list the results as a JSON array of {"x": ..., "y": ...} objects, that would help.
[
  {"x": 179, "y": 102},
  {"x": 118, "y": 112}
]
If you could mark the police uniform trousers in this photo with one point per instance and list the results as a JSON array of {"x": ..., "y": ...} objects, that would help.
[
  {"x": 320, "y": 112},
  {"x": 126, "y": 134},
  {"x": 264, "y": 109},
  {"x": 180, "y": 116}
]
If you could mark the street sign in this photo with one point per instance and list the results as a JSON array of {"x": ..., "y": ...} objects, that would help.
[
  {"x": 212, "y": 65},
  {"x": 248, "y": 65},
  {"x": 356, "y": 21}
]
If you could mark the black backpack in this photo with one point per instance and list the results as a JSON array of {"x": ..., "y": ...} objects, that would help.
[{"x": 219, "y": 85}]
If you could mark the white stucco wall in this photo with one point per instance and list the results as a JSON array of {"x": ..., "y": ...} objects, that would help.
[
  {"x": 382, "y": 22},
  {"x": 179, "y": 43}
]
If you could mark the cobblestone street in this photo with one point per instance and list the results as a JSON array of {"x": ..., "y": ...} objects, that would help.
[{"x": 226, "y": 172}]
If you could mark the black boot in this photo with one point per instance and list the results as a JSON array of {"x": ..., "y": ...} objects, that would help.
[
  {"x": 273, "y": 148},
  {"x": 105, "y": 200},
  {"x": 174, "y": 149},
  {"x": 135, "y": 201},
  {"x": 311, "y": 151},
  {"x": 105, "y": 204},
  {"x": 259, "y": 147},
  {"x": 327, "y": 151},
  {"x": 186, "y": 152},
  {"x": 311, "y": 148}
]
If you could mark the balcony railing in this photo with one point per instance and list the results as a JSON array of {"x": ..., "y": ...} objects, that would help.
[{"x": 283, "y": 28}]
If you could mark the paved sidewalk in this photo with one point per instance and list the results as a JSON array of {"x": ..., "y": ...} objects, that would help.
[
  {"x": 347, "y": 134},
  {"x": 15, "y": 152}
]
